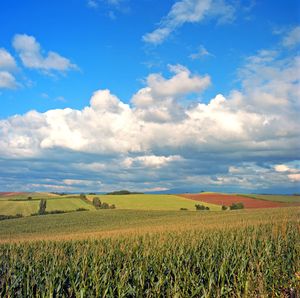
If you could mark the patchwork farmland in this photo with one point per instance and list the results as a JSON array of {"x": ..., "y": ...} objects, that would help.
[
  {"x": 153, "y": 202},
  {"x": 149, "y": 246},
  {"x": 248, "y": 202}
]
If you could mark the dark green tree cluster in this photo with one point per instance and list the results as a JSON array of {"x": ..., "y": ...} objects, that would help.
[
  {"x": 201, "y": 207},
  {"x": 123, "y": 192},
  {"x": 96, "y": 202},
  {"x": 236, "y": 206},
  {"x": 99, "y": 205},
  {"x": 83, "y": 196},
  {"x": 3, "y": 217}
]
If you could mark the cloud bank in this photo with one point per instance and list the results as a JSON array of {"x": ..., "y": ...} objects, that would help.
[{"x": 247, "y": 139}]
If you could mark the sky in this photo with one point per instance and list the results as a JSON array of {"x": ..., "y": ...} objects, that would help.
[{"x": 149, "y": 95}]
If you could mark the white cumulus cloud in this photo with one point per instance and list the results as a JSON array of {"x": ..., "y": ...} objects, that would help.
[
  {"x": 32, "y": 56},
  {"x": 157, "y": 101},
  {"x": 151, "y": 160},
  {"x": 294, "y": 177}
]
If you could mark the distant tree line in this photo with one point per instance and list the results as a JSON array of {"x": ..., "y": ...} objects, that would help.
[
  {"x": 201, "y": 207},
  {"x": 59, "y": 193},
  {"x": 234, "y": 206},
  {"x": 124, "y": 192}
]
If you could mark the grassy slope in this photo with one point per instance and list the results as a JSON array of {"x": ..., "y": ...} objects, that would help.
[
  {"x": 23, "y": 207},
  {"x": 67, "y": 204},
  {"x": 276, "y": 198},
  {"x": 80, "y": 225},
  {"x": 34, "y": 195},
  {"x": 9, "y": 207},
  {"x": 152, "y": 202}
]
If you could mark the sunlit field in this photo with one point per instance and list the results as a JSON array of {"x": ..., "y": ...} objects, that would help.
[
  {"x": 153, "y": 202},
  {"x": 114, "y": 253}
]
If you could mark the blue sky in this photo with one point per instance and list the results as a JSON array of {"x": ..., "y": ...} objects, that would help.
[{"x": 193, "y": 85}]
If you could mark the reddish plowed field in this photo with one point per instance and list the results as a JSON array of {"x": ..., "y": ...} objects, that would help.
[
  {"x": 227, "y": 200},
  {"x": 8, "y": 194}
]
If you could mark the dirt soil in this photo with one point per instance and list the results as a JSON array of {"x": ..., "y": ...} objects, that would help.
[
  {"x": 9, "y": 194},
  {"x": 227, "y": 200}
]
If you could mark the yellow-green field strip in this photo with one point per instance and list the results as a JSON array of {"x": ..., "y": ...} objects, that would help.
[{"x": 152, "y": 202}]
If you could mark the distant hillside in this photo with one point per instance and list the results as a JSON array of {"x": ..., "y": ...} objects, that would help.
[{"x": 123, "y": 192}]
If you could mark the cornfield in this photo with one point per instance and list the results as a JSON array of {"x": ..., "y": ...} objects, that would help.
[{"x": 260, "y": 260}]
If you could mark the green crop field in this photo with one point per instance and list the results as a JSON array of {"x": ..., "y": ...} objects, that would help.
[
  {"x": 152, "y": 202},
  {"x": 129, "y": 253},
  {"x": 18, "y": 207},
  {"x": 67, "y": 204},
  {"x": 86, "y": 224},
  {"x": 13, "y": 206},
  {"x": 276, "y": 198},
  {"x": 146, "y": 247}
]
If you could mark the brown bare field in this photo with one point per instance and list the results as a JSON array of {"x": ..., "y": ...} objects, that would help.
[
  {"x": 227, "y": 200},
  {"x": 9, "y": 194}
]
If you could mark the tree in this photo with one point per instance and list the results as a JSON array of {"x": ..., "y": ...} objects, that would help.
[
  {"x": 201, "y": 207},
  {"x": 83, "y": 196},
  {"x": 236, "y": 206},
  {"x": 96, "y": 202},
  {"x": 29, "y": 198},
  {"x": 104, "y": 206},
  {"x": 42, "y": 209},
  {"x": 224, "y": 207}
]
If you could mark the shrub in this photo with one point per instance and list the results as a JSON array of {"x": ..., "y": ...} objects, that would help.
[
  {"x": 236, "y": 206},
  {"x": 29, "y": 198},
  {"x": 83, "y": 196},
  {"x": 224, "y": 207},
  {"x": 4, "y": 217},
  {"x": 51, "y": 212},
  {"x": 96, "y": 202},
  {"x": 56, "y": 212},
  {"x": 82, "y": 209},
  {"x": 201, "y": 207},
  {"x": 183, "y": 209},
  {"x": 104, "y": 206}
]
